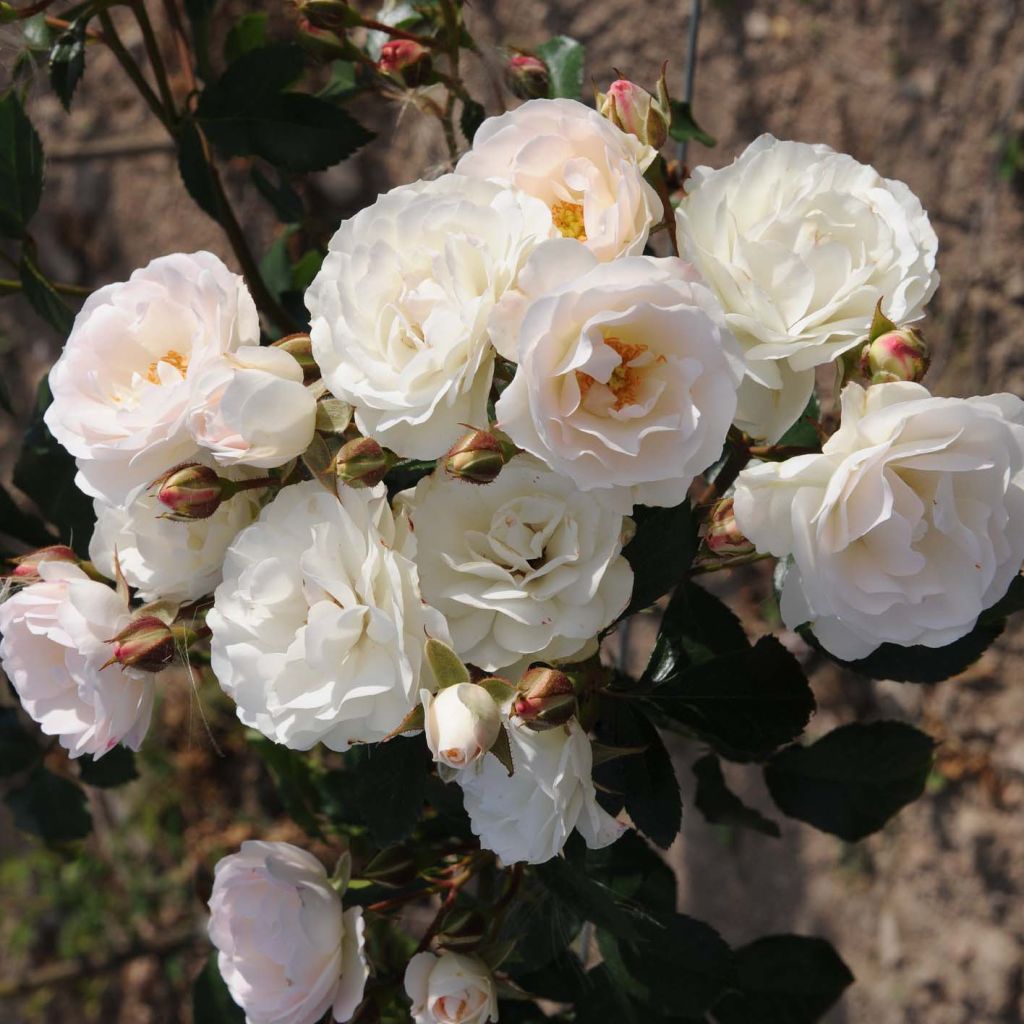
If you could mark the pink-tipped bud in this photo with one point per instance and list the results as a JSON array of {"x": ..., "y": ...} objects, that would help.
[
  {"x": 191, "y": 491},
  {"x": 547, "y": 699},
  {"x": 896, "y": 355},
  {"x": 476, "y": 458},
  {"x": 636, "y": 111},
  {"x": 146, "y": 643},
  {"x": 406, "y": 60},
  {"x": 300, "y": 348},
  {"x": 723, "y": 536},
  {"x": 527, "y": 77},
  {"x": 26, "y": 567},
  {"x": 362, "y": 463}
]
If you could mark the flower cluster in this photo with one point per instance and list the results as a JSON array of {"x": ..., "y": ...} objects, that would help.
[{"x": 245, "y": 496}]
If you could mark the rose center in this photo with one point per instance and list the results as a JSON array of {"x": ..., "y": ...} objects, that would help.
[
  {"x": 625, "y": 380},
  {"x": 175, "y": 359},
  {"x": 568, "y": 218}
]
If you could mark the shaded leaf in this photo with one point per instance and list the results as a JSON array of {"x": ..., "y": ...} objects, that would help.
[
  {"x": 282, "y": 197},
  {"x": 720, "y": 806},
  {"x": 67, "y": 60},
  {"x": 248, "y": 33},
  {"x": 472, "y": 117},
  {"x": 684, "y": 125},
  {"x": 21, "y": 167},
  {"x": 784, "y": 979},
  {"x": 593, "y": 900},
  {"x": 631, "y": 868},
  {"x": 211, "y": 1001},
  {"x": 18, "y": 750},
  {"x": 21, "y": 525},
  {"x": 294, "y": 780},
  {"x": 541, "y": 925},
  {"x": 564, "y": 58},
  {"x": 115, "y": 768},
  {"x": 854, "y": 779},
  {"x": 50, "y": 807},
  {"x": 195, "y": 170},
  {"x": 660, "y": 552},
  {"x": 803, "y": 433},
  {"x": 399, "y": 769}
]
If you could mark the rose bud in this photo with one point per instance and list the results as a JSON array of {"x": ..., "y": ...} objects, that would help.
[
  {"x": 334, "y": 15},
  {"x": 527, "y": 77},
  {"x": 362, "y": 463},
  {"x": 461, "y": 723},
  {"x": 723, "y": 536},
  {"x": 636, "y": 111},
  {"x": 896, "y": 355},
  {"x": 547, "y": 699},
  {"x": 300, "y": 348},
  {"x": 477, "y": 458},
  {"x": 146, "y": 643},
  {"x": 191, "y": 491},
  {"x": 26, "y": 567},
  {"x": 450, "y": 989},
  {"x": 321, "y": 43},
  {"x": 405, "y": 60}
]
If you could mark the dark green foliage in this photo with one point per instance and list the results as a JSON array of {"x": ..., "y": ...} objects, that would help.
[
  {"x": 67, "y": 60},
  {"x": 211, "y": 1001},
  {"x": 660, "y": 552},
  {"x": 50, "y": 807},
  {"x": 684, "y": 126},
  {"x": 115, "y": 768},
  {"x": 21, "y": 167},
  {"x": 720, "y": 806},
  {"x": 564, "y": 58},
  {"x": 18, "y": 750}
]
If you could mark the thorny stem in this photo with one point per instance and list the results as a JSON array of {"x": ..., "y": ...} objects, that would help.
[
  {"x": 156, "y": 58},
  {"x": 8, "y": 287},
  {"x": 124, "y": 58}
]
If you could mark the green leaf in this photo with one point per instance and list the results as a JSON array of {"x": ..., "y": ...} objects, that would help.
[
  {"x": 445, "y": 664},
  {"x": 41, "y": 296},
  {"x": 646, "y": 781},
  {"x": 803, "y": 433},
  {"x": 854, "y": 779},
  {"x": 18, "y": 750},
  {"x": 696, "y": 626},
  {"x": 744, "y": 704},
  {"x": 720, "y": 806},
  {"x": 342, "y": 84},
  {"x": 631, "y": 868},
  {"x": 784, "y": 979},
  {"x": 67, "y": 60},
  {"x": 211, "y": 1001},
  {"x": 36, "y": 33},
  {"x": 195, "y": 170},
  {"x": 684, "y": 126},
  {"x": 115, "y": 768},
  {"x": 472, "y": 117},
  {"x": 248, "y": 33},
  {"x": 593, "y": 900},
  {"x": 246, "y": 113},
  {"x": 919, "y": 664},
  {"x": 50, "y": 807},
  {"x": 605, "y": 999},
  {"x": 398, "y": 768},
  {"x": 660, "y": 552},
  {"x": 282, "y": 197},
  {"x": 541, "y": 925},
  {"x": 564, "y": 58},
  {"x": 21, "y": 167},
  {"x": 294, "y": 779},
  {"x": 46, "y": 473}
]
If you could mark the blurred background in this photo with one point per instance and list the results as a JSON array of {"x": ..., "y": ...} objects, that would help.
[{"x": 928, "y": 913}]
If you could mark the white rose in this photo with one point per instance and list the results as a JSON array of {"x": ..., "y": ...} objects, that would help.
[
  {"x": 163, "y": 558},
  {"x": 123, "y": 386},
  {"x": 627, "y": 376},
  {"x": 589, "y": 173},
  {"x": 527, "y": 565},
  {"x": 252, "y": 408},
  {"x": 461, "y": 723},
  {"x": 450, "y": 989},
  {"x": 287, "y": 951},
  {"x": 318, "y": 625},
  {"x": 401, "y": 304},
  {"x": 799, "y": 243},
  {"x": 56, "y": 640},
  {"x": 529, "y": 815},
  {"x": 907, "y": 526}
]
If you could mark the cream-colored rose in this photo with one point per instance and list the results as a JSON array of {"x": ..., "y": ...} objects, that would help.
[
  {"x": 799, "y": 243},
  {"x": 461, "y": 723},
  {"x": 450, "y": 989},
  {"x": 905, "y": 528}
]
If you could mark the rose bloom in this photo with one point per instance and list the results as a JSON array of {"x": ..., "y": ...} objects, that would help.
[
  {"x": 461, "y": 723},
  {"x": 589, "y": 173},
  {"x": 799, "y": 243},
  {"x": 525, "y": 565},
  {"x": 450, "y": 989},
  {"x": 318, "y": 625},
  {"x": 123, "y": 386},
  {"x": 287, "y": 951},
  {"x": 627, "y": 375},
  {"x": 905, "y": 528},
  {"x": 55, "y": 642},
  {"x": 253, "y": 409},
  {"x": 529, "y": 815},
  {"x": 165, "y": 559},
  {"x": 401, "y": 304}
]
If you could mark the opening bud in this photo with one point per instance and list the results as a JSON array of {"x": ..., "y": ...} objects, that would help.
[
  {"x": 547, "y": 699},
  {"x": 363, "y": 463},
  {"x": 192, "y": 491},
  {"x": 26, "y": 567},
  {"x": 636, "y": 111},
  {"x": 527, "y": 77},
  {"x": 146, "y": 643},
  {"x": 405, "y": 60},
  {"x": 476, "y": 458},
  {"x": 461, "y": 723},
  {"x": 900, "y": 354},
  {"x": 723, "y": 536},
  {"x": 300, "y": 348}
]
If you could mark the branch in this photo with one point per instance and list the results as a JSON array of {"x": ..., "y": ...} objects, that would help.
[
  {"x": 124, "y": 58},
  {"x": 8, "y": 287},
  {"x": 155, "y": 57}
]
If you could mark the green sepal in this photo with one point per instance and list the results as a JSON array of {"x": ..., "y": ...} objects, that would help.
[
  {"x": 502, "y": 750},
  {"x": 880, "y": 324},
  {"x": 445, "y": 664}
]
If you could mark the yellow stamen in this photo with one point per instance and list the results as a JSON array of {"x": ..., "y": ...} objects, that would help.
[
  {"x": 568, "y": 218},
  {"x": 625, "y": 380},
  {"x": 176, "y": 359}
]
